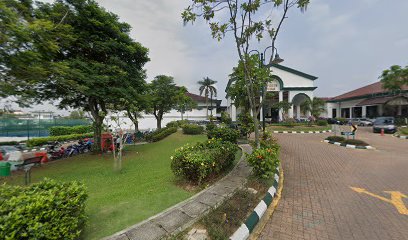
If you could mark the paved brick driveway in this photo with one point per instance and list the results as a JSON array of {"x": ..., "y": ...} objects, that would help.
[{"x": 317, "y": 201}]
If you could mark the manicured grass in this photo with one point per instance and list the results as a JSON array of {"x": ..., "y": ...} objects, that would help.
[
  {"x": 304, "y": 128},
  {"x": 403, "y": 131},
  {"x": 145, "y": 187}
]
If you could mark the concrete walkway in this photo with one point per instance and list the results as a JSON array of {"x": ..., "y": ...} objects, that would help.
[{"x": 184, "y": 214}]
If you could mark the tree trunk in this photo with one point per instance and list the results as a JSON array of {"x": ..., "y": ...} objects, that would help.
[
  {"x": 211, "y": 104},
  {"x": 159, "y": 120},
  {"x": 256, "y": 130},
  {"x": 98, "y": 134},
  {"x": 206, "y": 105},
  {"x": 182, "y": 116},
  {"x": 136, "y": 123}
]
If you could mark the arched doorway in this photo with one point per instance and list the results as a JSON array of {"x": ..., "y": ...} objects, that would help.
[{"x": 297, "y": 102}]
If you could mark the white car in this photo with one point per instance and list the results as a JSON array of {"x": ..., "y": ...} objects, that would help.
[{"x": 362, "y": 122}]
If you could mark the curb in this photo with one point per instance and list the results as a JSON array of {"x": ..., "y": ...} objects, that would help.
[
  {"x": 243, "y": 232},
  {"x": 348, "y": 145},
  {"x": 327, "y": 131},
  {"x": 399, "y": 136}
]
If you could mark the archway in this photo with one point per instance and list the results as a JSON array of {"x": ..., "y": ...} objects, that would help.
[{"x": 297, "y": 102}]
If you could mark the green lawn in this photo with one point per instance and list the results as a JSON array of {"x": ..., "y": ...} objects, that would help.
[
  {"x": 403, "y": 131},
  {"x": 304, "y": 128},
  {"x": 119, "y": 200}
]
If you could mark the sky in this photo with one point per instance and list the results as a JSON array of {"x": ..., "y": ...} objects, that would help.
[{"x": 346, "y": 44}]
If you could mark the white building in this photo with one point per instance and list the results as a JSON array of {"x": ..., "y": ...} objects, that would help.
[
  {"x": 289, "y": 85},
  {"x": 368, "y": 102},
  {"x": 148, "y": 121}
]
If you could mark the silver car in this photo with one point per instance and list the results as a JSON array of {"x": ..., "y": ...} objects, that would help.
[{"x": 386, "y": 123}]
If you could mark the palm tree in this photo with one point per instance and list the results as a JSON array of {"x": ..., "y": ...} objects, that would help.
[
  {"x": 315, "y": 106},
  {"x": 206, "y": 87}
]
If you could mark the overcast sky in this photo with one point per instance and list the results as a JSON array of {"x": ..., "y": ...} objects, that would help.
[{"x": 346, "y": 44}]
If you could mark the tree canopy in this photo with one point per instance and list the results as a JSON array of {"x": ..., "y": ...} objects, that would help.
[
  {"x": 207, "y": 88},
  {"x": 395, "y": 77}
]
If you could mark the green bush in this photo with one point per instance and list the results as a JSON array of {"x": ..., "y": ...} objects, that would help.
[
  {"x": 247, "y": 125},
  {"x": 198, "y": 162},
  {"x": 264, "y": 161},
  {"x": 44, "y": 140},
  {"x": 192, "y": 129},
  {"x": 355, "y": 142},
  {"x": 403, "y": 131},
  {"x": 61, "y": 130},
  {"x": 225, "y": 118},
  {"x": 224, "y": 134},
  {"x": 9, "y": 143},
  {"x": 210, "y": 126},
  {"x": 321, "y": 123},
  {"x": 178, "y": 123},
  {"x": 335, "y": 138},
  {"x": 160, "y": 134},
  {"x": 45, "y": 210}
]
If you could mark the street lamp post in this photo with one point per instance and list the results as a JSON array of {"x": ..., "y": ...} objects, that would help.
[{"x": 275, "y": 60}]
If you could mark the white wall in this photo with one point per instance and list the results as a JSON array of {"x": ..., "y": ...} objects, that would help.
[{"x": 292, "y": 80}]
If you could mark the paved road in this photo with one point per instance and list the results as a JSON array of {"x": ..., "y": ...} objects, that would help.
[{"x": 318, "y": 201}]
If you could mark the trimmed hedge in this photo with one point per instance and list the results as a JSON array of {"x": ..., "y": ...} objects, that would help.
[
  {"x": 44, "y": 140},
  {"x": 192, "y": 129},
  {"x": 224, "y": 134},
  {"x": 61, "y": 130},
  {"x": 321, "y": 123},
  {"x": 178, "y": 123},
  {"x": 45, "y": 210},
  {"x": 160, "y": 134},
  {"x": 335, "y": 138},
  {"x": 9, "y": 143},
  {"x": 199, "y": 162}
]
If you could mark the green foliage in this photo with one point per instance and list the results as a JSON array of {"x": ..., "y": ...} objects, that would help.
[
  {"x": 315, "y": 106},
  {"x": 45, "y": 210},
  {"x": 60, "y": 130},
  {"x": 184, "y": 103},
  {"x": 321, "y": 122},
  {"x": 284, "y": 107},
  {"x": 198, "y": 162},
  {"x": 224, "y": 134},
  {"x": 192, "y": 129},
  {"x": 160, "y": 134},
  {"x": 8, "y": 143},
  {"x": 395, "y": 77},
  {"x": 206, "y": 87},
  {"x": 44, "y": 140},
  {"x": 225, "y": 118},
  {"x": 335, "y": 138},
  {"x": 246, "y": 124},
  {"x": 177, "y": 124},
  {"x": 77, "y": 114},
  {"x": 264, "y": 162},
  {"x": 210, "y": 126},
  {"x": 163, "y": 96},
  {"x": 403, "y": 131}
]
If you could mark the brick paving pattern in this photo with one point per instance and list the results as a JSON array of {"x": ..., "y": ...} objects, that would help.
[{"x": 317, "y": 201}]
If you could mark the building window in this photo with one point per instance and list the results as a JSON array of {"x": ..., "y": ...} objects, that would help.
[
  {"x": 334, "y": 113},
  {"x": 372, "y": 111},
  {"x": 345, "y": 112},
  {"x": 357, "y": 112}
]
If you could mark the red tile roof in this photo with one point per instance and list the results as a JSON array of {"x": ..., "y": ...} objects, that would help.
[
  {"x": 366, "y": 90},
  {"x": 197, "y": 98}
]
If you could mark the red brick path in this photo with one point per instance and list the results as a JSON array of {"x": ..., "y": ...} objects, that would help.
[{"x": 317, "y": 201}]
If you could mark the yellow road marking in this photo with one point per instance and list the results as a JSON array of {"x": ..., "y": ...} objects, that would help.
[{"x": 396, "y": 199}]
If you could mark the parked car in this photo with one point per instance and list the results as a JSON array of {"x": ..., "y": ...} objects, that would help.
[
  {"x": 10, "y": 153},
  {"x": 362, "y": 121},
  {"x": 386, "y": 123}
]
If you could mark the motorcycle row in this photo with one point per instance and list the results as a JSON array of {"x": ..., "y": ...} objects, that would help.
[{"x": 56, "y": 150}]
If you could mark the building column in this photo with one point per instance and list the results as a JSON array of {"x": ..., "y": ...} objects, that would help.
[
  {"x": 298, "y": 111},
  {"x": 351, "y": 112},
  {"x": 380, "y": 110},
  {"x": 364, "y": 111},
  {"x": 280, "y": 100},
  {"x": 399, "y": 110},
  {"x": 290, "y": 112}
]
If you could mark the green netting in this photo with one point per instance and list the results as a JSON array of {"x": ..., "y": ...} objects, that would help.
[{"x": 13, "y": 127}]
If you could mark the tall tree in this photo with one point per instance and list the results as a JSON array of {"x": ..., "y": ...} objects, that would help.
[
  {"x": 93, "y": 63},
  {"x": 163, "y": 97},
  {"x": 184, "y": 102},
  {"x": 315, "y": 106},
  {"x": 246, "y": 22},
  {"x": 395, "y": 77},
  {"x": 206, "y": 87}
]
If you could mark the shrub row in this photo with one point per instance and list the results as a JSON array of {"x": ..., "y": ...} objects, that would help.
[
  {"x": 61, "y": 130},
  {"x": 177, "y": 124},
  {"x": 342, "y": 140},
  {"x": 264, "y": 160},
  {"x": 321, "y": 122},
  {"x": 44, "y": 140},
  {"x": 198, "y": 162},
  {"x": 9, "y": 143},
  {"x": 45, "y": 210},
  {"x": 192, "y": 129},
  {"x": 224, "y": 134},
  {"x": 160, "y": 134}
]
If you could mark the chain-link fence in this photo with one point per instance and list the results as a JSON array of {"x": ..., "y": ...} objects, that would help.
[{"x": 13, "y": 127}]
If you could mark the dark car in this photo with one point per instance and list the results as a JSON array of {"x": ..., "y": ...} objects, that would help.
[{"x": 386, "y": 123}]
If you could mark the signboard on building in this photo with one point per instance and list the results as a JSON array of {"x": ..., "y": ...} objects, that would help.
[{"x": 273, "y": 86}]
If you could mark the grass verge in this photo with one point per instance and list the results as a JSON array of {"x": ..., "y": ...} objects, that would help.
[{"x": 145, "y": 187}]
